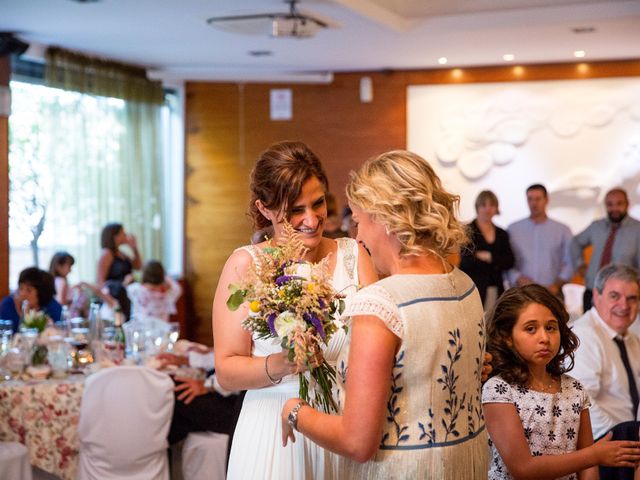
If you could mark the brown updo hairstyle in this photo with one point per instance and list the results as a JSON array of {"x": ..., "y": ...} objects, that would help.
[
  {"x": 506, "y": 361},
  {"x": 400, "y": 190},
  {"x": 278, "y": 177}
]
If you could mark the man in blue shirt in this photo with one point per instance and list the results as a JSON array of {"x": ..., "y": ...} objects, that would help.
[
  {"x": 615, "y": 239},
  {"x": 541, "y": 246}
]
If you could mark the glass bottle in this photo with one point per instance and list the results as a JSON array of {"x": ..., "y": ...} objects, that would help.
[
  {"x": 95, "y": 322},
  {"x": 23, "y": 313},
  {"x": 119, "y": 339},
  {"x": 65, "y": 325}
]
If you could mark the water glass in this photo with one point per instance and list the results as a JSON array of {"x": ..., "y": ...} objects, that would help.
[
  {"x": 5, "y": 345},
  {"x": 28, "y": 338},
  {"x": 58, "y": 356},
  {"x": 15, "y": 361},
  {"x": 171, "y": 337}
]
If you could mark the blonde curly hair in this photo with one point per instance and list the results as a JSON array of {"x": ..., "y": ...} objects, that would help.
[{"x": 400, "y": 190}]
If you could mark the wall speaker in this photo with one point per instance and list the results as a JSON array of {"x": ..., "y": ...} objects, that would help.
[
  {"x": 10, "y": 44},
  {"x": 366, "y": 90}
]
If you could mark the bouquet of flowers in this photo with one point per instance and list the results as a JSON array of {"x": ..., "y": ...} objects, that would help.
[
  {"x": 294, "y": 301},
  {"x": 35, "y": 319}
]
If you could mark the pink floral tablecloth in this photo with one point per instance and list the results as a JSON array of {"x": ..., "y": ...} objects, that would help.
[{"x": 44, "y": 415}]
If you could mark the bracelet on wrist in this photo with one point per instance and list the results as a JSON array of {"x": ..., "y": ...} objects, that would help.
[
  {"x": 266, "y": 370},
  {"x": 292, "y": 418}
]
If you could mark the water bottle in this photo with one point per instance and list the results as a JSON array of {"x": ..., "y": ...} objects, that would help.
[
  {"x": 119, "y": 339},
  {"x": 65, "y": 324},
  {"x": 95, "y": 322}
]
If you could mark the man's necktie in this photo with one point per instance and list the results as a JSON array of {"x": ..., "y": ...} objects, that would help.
[
  {"x": 633, "y": 388},
  {"x": 608, "y": 246}
]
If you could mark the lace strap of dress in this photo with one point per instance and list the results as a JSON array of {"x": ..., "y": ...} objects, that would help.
[
  {"x": 251, "y": 250},
  {"x": 375, "y": 300},
  {"x": 348, "y": 250}
]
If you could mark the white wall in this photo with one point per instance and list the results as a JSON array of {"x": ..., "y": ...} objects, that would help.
[{"x": 577, "y": 137}]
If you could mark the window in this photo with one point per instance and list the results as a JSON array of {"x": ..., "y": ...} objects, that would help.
[{"x": 77, "y": 162}]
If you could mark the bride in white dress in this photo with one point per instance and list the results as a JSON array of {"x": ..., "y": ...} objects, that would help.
[{"x": 287, "y": 183}]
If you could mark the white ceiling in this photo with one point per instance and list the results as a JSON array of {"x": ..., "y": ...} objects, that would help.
[{"x": 172, "y": 38}]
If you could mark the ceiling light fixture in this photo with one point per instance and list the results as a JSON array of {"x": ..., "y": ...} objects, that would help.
[
  {"x": 579, "y": 53},
  {"x": 284, "y": 24},
  {"x": 508, "y": 57},
  {"x": 442, "y": 60}
]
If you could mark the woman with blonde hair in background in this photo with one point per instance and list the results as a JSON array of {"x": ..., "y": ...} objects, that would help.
[{"x": 411, "y": 380}]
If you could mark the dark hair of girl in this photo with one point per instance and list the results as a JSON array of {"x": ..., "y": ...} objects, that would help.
[
  {"x": 58, "y": 260},
  {"x": 278, "y": 177},
  {"x": 153, "y": 273},
  {"x": 108, "y": 236},
  {"x": 506, "y": 361}
]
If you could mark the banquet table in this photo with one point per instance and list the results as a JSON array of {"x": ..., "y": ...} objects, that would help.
[{"x": 43, "y": 415}]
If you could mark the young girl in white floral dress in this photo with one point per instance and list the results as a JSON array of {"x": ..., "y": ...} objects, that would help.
[{"x": 536, "y": 415}]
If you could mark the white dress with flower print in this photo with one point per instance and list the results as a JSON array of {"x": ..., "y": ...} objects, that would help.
[
  {"x": 433, "y": 426},
  {"x": 550, "y": 420},
  {"x": 257, "y": 451}
]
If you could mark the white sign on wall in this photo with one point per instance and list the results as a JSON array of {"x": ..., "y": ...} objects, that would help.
[
  {"x": 281, "y": 104},
  {"x": 577, "y": 137}
]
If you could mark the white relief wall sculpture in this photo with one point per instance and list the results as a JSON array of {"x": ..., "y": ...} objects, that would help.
[{"x": 578, "y": 137}]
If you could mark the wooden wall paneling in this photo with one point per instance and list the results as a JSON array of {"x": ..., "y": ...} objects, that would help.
[
  {"x": 228, "y": 126},
  {"x": 5, "y": 72},
  {"x": 216, "y": 194}
]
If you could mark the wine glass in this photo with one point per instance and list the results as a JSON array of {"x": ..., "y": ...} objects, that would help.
[{"x": 81, "y": 354}]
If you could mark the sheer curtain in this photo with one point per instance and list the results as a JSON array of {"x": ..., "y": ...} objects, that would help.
[{"x": 104, "y": 155}]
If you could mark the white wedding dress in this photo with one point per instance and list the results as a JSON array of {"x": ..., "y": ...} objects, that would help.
[{"x": 257, "y": 451}]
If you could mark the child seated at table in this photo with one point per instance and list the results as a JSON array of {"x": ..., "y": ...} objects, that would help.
[
  {"x": 76, "y": 297},
  {"x": 156, "y": 295}
]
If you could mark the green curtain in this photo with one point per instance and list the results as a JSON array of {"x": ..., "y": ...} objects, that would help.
[{"x": 105, "y": 154}]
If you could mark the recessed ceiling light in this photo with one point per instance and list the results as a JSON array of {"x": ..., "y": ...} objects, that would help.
[
  {"x": 260, "y": 53},
  {"x": 587, "y": 29},
  {"x": 579, "y": 53},
  {"x": 508, "y": 57},
  {"x": 442, "y": 60}
]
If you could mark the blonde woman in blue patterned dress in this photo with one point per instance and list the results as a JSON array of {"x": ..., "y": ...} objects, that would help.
[{"x": 410, "y": 377}]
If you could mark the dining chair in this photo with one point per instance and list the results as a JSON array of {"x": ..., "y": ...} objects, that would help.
[
  {"x": 14, "y": 461},
  {"x": 124, "y": 421},
  {"x": 204, "y": 456},
  {"x": 572, "y": 293}
]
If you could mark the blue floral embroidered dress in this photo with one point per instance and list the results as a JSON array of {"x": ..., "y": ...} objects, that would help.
[
  {"x": 433, "y": 427},
  {"x": 550, "y": 420}
]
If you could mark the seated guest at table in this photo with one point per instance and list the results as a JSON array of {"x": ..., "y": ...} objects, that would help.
[
  {"x": 115, "y": 266},
  {"x": 157, "y": 294},
  {"x": 201, "y": 405},
  {"x": 608, "y": 357},
  {"x": 76, "y": 297},
  {"x": 37, "y": 288},
  {"x": 489, "y": 255}
]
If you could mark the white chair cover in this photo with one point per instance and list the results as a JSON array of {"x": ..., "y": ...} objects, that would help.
[
  {"x": 14, "y": 461},
  {"x": 572, "y": 293},
  {"x": 124, "y": 421},
  {"x": 204, "y": 456}
]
